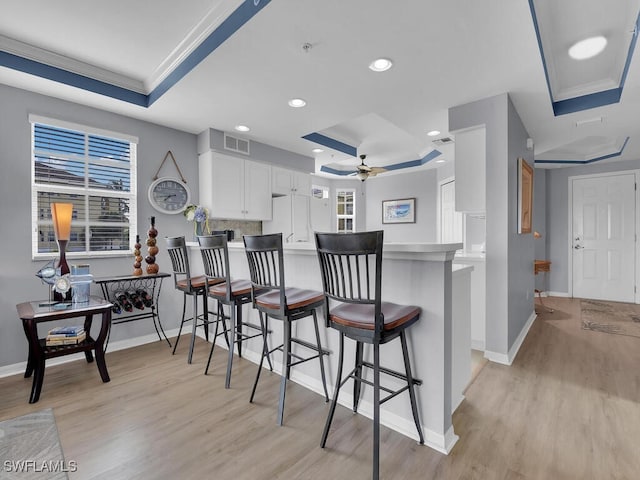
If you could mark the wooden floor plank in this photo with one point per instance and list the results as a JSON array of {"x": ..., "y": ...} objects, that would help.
[{"x": 568, "y": 408}]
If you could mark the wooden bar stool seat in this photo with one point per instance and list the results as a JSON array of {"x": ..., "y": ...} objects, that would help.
[{"x": 362, "y": 316}]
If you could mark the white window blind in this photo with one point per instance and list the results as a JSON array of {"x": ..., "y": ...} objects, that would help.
[{"x": 93, "y": 170}]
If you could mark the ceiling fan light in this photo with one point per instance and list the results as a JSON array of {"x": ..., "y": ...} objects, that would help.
[
  {"x": 587, "y": 48},
  {"x": 362, "y": 175}
]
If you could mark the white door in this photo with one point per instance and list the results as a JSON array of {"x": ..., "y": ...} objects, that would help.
[{"x": 603, "y": 237}]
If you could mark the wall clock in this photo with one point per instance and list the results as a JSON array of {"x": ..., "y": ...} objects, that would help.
[{"x": 169, "y": 195}]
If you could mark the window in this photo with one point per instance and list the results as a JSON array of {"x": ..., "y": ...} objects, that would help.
[
  {"x": 346, "y": 210},
  {"x": 96, "y": 172}
]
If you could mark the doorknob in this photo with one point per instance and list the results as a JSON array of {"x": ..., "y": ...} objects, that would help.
[{"x": 578, "y": 247}]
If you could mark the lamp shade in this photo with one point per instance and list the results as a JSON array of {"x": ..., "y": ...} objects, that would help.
[{"x": 61, "y": 214}]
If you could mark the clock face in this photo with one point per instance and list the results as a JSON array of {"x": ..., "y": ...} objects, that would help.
[{"x": 169, "y": 195}]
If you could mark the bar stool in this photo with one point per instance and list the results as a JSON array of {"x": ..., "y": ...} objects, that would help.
[
  {"x": 273, "y": 299},
  {"x": 235, "y": 293},
  {"x": 351, "y": 269},
  {"x": 188, "y": 285}
]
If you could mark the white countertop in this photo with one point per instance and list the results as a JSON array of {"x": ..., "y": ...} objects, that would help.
[{"x": 398, "y": 250}]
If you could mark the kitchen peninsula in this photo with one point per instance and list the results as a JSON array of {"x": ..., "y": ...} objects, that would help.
[{"x": 413, "y": 273}]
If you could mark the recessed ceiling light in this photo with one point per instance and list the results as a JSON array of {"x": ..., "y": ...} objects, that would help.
[
  {"x": 317, "y": 150},
  {"x": 242, "y": 128},
  {"x": 297, "y": 103},
  {"x": 440, "y": 161},
  {"x": 433, "y": 133},
  {"x": 380, "y": 65},
  {"x": 587, "y": 48}
]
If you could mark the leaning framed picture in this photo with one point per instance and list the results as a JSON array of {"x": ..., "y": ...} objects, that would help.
[
  {"x": 399, "y": 211},
  {"x": 525, "y": 196}
]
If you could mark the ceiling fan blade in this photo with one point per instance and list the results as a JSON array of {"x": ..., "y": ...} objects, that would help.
[{"x": 376, "y": 170}]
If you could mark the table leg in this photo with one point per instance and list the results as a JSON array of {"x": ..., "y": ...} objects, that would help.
[
  {"x": 99, "y": 346},
  {"x": 38, "y": 377}
]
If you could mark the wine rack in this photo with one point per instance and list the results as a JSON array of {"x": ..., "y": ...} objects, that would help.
[{"x": 114, "y": 287}]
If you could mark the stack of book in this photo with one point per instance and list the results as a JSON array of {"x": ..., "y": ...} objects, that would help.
[{"x": 66, "y": 335}]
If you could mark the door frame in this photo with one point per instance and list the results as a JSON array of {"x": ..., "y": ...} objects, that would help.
[{"x": 636, "y": 174}]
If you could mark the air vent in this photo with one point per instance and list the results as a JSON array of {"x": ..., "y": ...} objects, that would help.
[
  {"x": 236, "y": 144},
  {"x": 443, "y": 141}
]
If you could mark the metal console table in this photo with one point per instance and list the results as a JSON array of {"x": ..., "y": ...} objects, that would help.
[{"x": 150, "y": 283}]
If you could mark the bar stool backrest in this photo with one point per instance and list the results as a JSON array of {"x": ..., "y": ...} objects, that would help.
[
  {"x": 266, "y": 267},
  {"x": 215, "y": 258},
  {"x": 177, "y": 249},
  {"x": 351, "y": 270}
]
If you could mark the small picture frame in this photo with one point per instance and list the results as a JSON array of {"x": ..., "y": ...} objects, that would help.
[
  {"x": 525, "y": 196},
  {"x": 399, "y": 211}
]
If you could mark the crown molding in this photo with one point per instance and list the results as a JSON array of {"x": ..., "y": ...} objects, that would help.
[
  {"x": 68, "y": 64},
  {"x": 210, "y": 22}
]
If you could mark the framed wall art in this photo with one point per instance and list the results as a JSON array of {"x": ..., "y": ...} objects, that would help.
[
  {"x": 525, "y": 196},
  {"x": 399, "y": 211}
]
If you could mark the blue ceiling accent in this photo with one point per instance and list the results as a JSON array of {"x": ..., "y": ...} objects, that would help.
[
  {"x": 593, "y": 100},
  {"x": 396, "y": 166},
  {"x": 584, "y": 162},
  {"x": 56, "y": 74},
  {"x": 228, "y": 27},
  {"x": 336, "y": 171},
  {"x": 414, "y": 163},
  {"x": 331, "y": 143}
]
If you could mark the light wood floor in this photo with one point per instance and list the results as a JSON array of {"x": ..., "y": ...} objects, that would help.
[{"x": 568, "y": 408}]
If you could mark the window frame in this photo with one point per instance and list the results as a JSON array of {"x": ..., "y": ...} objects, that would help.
[
  {"x": 36, "y": 188},
  {"x": 345, "y": 216}
]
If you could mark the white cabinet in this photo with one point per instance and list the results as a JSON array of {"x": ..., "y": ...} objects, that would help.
[
  {"x": 291, "y": 218},
  {"x": 470, "y": 170},
  {"x": 287, "y": 182},
  {"x": 235, "y": 188}
]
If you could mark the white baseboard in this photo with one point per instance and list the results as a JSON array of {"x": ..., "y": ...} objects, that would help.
[
  {"x": 443, "y": 443},
  {"x": 507, "y": 359},
  {"x": 557, "y": 294},
  {"x": 477, "y": 345}
]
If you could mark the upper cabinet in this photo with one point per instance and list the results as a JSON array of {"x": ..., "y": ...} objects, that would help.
[
  {"x": 235, "y": 188},
  {"x": 470, "y": 166},
  {"x": 286, "y": 182}
]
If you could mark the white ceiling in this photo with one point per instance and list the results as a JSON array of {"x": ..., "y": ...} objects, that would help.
[{"x": 444, "y": 53}]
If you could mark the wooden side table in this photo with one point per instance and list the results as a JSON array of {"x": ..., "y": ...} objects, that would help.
[
  {"x": 35, "y": 312},
  {"x": 542, "y": 266}
]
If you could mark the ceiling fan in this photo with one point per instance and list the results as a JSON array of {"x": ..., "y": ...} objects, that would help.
[{"x": 364, "y": 171}]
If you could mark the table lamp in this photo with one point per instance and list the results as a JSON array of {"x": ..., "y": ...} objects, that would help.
[{"x": 61, "y": 215}]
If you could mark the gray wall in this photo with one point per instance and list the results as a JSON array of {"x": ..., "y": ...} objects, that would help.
[
  {"x": 540, "y": 220},
  {"x": 521, "y": 246},
  {"x": 18, "y": 282},
  {"x": 558, "y": 216},
  {"x": 423, "y": 185},
  {"x": 509, "y": 256}
]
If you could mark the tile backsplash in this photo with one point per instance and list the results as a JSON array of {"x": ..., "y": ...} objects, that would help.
[{"x": 240, "y": 227}]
